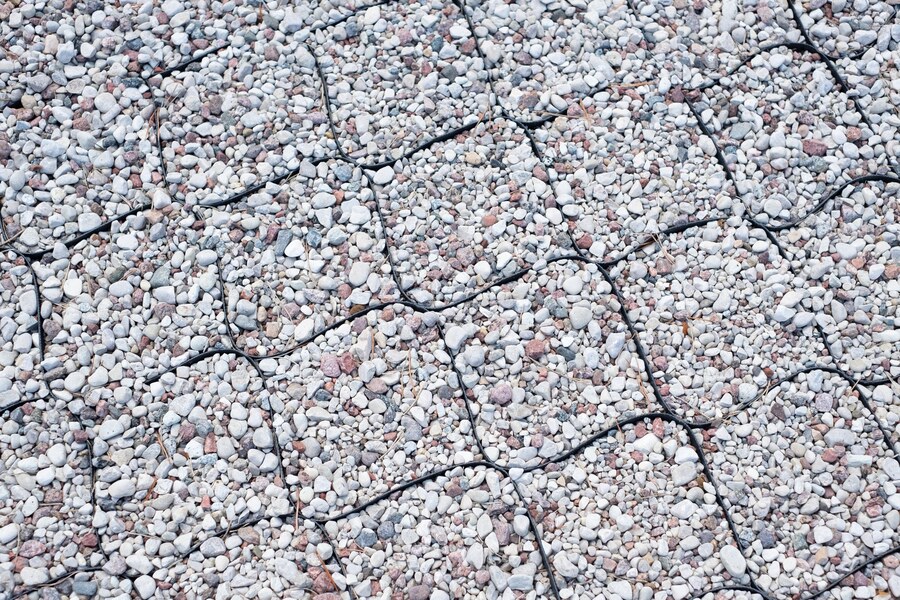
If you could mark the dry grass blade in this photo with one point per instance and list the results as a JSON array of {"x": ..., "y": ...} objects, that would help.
[
  {"x": 162, "y": 446},
  {"x": 331, "y": 580},
  {"x": 11, "y": 238}
]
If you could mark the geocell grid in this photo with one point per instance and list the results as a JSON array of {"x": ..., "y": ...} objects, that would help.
[{"x": 471, "y": 299}]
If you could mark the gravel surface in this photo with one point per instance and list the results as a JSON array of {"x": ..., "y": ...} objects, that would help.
[
  {"x": 790, "y": 133},
  {"x": 810, "y": 481},
  {"x": 549, "y": 364},
  {"x": 299, "y": 256},
  {"x": 633, "y": 516},
  {"x": 450, "y": 299},
  {"x": 848, "y": 254},
  {"x": 847, "y": 28},
  {"x": 79, "y": 150},
  {"x": 465, "y": 529},
  {"x": 399, "y": 74},
  {"x": 446, "y": 247},
  {"x": 708, "y": 39},
  {"x": 366, "y": 406},
  {"x": 704, "y": 304},
  {"x": 240, "y": 116},
  {"x": 544, "y": 55},
  {"x": 629, "y": 162}
]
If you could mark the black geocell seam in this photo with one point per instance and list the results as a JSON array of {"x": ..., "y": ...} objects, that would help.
[
  {"x": 54, "y": 581},
  {"x": 832, "y": 62},
  {"x": 525, "y": 126},
  {"x": 258, "y": 187},
  {"x": 229, "y": 328},
  {"x": 232, "y": 199},
  {"x": 829, "y": 587},
  {"x": 680, "y": 227},
  {"x": 797, "y": 14},
  {"x": 408, "y": 152},
  {"x": 464, "y": 390},
  {"x": 831, "y": 195},
  {"x": 817, "y": 209},
  {"x": 253, "y": 188},
  {"x": 720, "y": 158},
  {"x": 485, "y": 461},
  {"x": 29, "y": 259},
  {"x": 401, "y": 487},
  {"x": 250, "y": 190},
  {"x": 872, "y": 417},
  {"x": 639, "y": 346},
  {"x": 516, "y": 276},
  {"x": 38, "y": 255},
  {"x": 581, "y": 256},
  {"x": 489, "y": 77},
  {"x": 254, "y": 361},
  {"x": 392, "y": 263},
  {"x": 217, "y": 44},
  {"x": 868, "y": 382},
  {"x": 803, "y": 47},
  {"x": 39, "y": 317},
  {"x": 669, "y": 416},
  {"x": 92, "y": 475},
  {"x": 812, "y": 50},
  {"x": 692, "y": 440},
  {"x": 39, "y": 320},
  {"x": 220, "y": 283},
  {"x": 194, "y": 58},
  {"x": 864, "y": 399},
  {"x": 675, "y": 418},
  {"x": 403, "y": 299},
  {"x": 793, "y": 46},
  {"x": 388, "y": 303}
]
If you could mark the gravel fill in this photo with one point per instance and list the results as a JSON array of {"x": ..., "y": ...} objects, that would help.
[
  {"x": 629, "y": 162},
  {"x": 20, "y": 356},
  {"x": 399, "y": 74},
  {"x": 635, "y": 515},
  {"x": 240, "y": 117},
  {"x": 848, "y": 255},
  {"x": 381, "y": 405},
  {"x": 829, "y": 474},
  {"x": 550, "y": 364},
  {"x": 449, "y": 299},
  {"x": 460, "y": 533},
  {"x": 790, "y": 133},
  {"x": 847, "y": 28},
  {"x": 708, "y": 39},
  {"x": 299, "y": 256},
  {"x": 447, "y": 248},
  {"x": 77, "y": 153},
  {"x": 704, "y": 303},
  {"x": 544, "y": 55}
]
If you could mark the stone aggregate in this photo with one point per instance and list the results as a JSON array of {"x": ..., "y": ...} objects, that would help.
[{"x": 450, "y": 299}]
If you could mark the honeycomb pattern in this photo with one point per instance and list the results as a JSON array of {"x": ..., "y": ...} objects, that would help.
[{"x": 617, "y": 362}]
